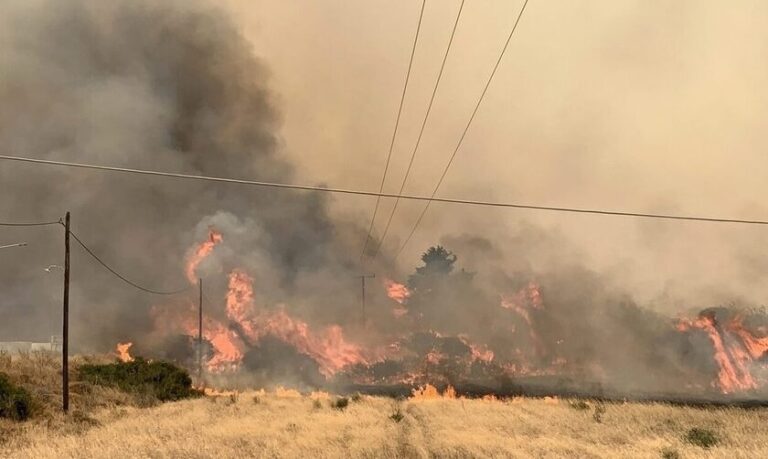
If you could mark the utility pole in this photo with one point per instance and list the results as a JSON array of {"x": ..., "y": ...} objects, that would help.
[
  {"x": 362, "y": 293},
  {"x": 65, "y": 330},
  {"x": 200, "y": 333}
]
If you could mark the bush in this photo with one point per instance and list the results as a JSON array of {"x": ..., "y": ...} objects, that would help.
[
  {"x": 397, "y": 416},
  {"x": 161, "y": 380},
  {"x": 701, "y": 437},
  {"x": 340, "y": 403},
  {"x": 15, "y": 402},
  {"x": 580, "y": 405},
  {"x": 670, "y": 453},
  {"x": 357, "y": 396},
  {"x": 599, "y": 412}
]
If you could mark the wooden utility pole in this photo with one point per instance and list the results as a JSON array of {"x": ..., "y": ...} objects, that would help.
[
  {"x": 362, "y": 292},
  {"x": 65, "y": 327},
  {"x": 200, "y": 333}
]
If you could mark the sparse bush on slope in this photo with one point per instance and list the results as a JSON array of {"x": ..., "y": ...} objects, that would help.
[
  {"x": 15, "y": 402},
  {"x": 704, "y": 438},
  {"x": 161, "y": 380}
]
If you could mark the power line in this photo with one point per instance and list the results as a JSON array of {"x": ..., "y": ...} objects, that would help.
[
  {"x": 386, "y": 195},
  {"x": 394, "y": 133},
  {"x": 30, "y": 224},
  {"x": 421, "y": 131},
  {"x": 466, "y": 129},
  {"x": 11, "y": 246},
  {"x": 121, "y": 277}
]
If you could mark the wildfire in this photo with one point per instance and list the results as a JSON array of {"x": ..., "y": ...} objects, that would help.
[
  {"x": 328, "y": 348},
  {"x": 239, "y": 303},
  {"x": 481, "y": 353},
  {"x": 735, "y": 350},
  {"x": 430, "y": 392},
  {"x": 199, "y": 253},
  {"x": 123, "y": 352},
  {"x": 523, "y": 302},
  {"x": 396, "y": 291},
  {"x": 228, "y": 348}
]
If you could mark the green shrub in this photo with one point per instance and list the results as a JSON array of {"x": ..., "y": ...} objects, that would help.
[
  {"x": 161, "y": 380},
  {"x": 701, "y": 437},
  {"x": 670, "y": 453},
  {"x": 340, "y": 403},
  {"x": 15, "y": 402},
  {"x": 397, "y": 416}
]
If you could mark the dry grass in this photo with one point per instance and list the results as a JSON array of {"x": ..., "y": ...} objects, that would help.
[
  {"x": 107, "y": 423},
  {"x": 40, "y": 374},
  {"x": 289, "y": 426}
]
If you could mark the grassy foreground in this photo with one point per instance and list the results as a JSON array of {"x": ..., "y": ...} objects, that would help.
[{"x": 287, "y": 424}]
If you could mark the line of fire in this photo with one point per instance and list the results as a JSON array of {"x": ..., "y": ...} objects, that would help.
[{"x": 529, "y": 339}]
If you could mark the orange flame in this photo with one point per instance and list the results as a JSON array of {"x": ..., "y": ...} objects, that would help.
[
  {"x": 228, "y": 348},
  {"x": 123, "y": 352},
  {"x": 329, "y": 348},
  {"x": 430, "y": 392},
  {"x": 735, "y": 349},
  {"x": 523, "y": 302},
  {"x": 396, "y": 291},
  {"x": 198, "y": 254}
]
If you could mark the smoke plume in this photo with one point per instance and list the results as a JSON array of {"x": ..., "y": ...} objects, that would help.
[{"x": 602, "y": 114}]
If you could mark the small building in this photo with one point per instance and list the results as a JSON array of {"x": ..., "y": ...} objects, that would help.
[{"x": 14, "y": 347}]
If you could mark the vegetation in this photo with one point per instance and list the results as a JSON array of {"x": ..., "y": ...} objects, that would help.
[
  {"x": 579, "y": 405},
  {"x": 704, "y": 438},
  {"x": 340, "y": 403},
  {"x": 283, "y": 426},
  {"x": 15, "y": 402},
  {"x": 161, "y": 380},
  {"x": 597, "y": 415}
]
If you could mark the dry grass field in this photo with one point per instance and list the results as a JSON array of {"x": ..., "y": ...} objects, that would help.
[{"x": 287, "y": 424}]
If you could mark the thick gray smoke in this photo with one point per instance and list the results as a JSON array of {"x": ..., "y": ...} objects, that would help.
[
  {"x": 173, "y": 86},
  {"x": 154, "y": 85}
]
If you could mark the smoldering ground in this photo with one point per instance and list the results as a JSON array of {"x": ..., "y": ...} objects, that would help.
[{"x": 176, "y": 86}]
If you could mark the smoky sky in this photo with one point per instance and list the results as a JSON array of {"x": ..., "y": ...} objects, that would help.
[
  {"x": 624, "y": 105},
  {"x": 167, "y": 86}
]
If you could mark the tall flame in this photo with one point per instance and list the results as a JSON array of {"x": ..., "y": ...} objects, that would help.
[
  {"x": 329, "y": 348},
  {"x": 198, "y": 254},
  {"x": 523, "y": 302},
  {"x": 735, "y": 350},
  {"x": 123, "y": 352}
]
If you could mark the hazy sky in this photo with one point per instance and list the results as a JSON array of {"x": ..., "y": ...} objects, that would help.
[{"x": 626, "y": 105}]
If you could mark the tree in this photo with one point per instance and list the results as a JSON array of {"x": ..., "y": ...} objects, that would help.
[
  {"x": 438, "y": 264},
  {"x": 440, "y": 296}
]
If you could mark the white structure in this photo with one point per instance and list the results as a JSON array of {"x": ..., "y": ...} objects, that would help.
[{"x": 13, "y": 347}]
